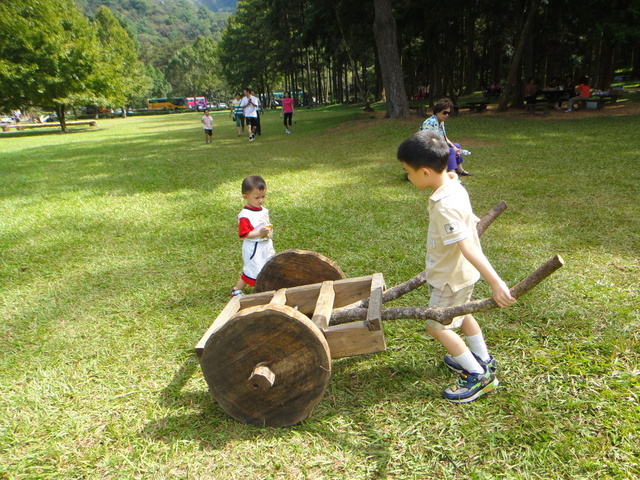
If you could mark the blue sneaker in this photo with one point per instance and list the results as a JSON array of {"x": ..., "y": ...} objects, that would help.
[
  {"x": 471, "y": 386},
  {"x": 457, "y": 368}
]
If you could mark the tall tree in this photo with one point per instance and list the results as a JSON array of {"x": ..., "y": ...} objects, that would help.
[
  {"x": 612, "y": 26},
  {"x": 532, "y": 11},
  {"x": 247, "y": 57},
  {"x": 384, "y": 28},
  {"x": 122, "y": 74},
  {"x": 48, "y": 55},
  {"x": 194, "y": 70}
]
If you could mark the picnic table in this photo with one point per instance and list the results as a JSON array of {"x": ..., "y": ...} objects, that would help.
[
  {"x": 490, "y": 91},
  {"x": 611, "y": 96},
  {"x": 554, "y": 95}
]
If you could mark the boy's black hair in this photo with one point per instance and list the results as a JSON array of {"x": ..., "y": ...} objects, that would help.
[
  {"x": 253, "y": 182},
  {"x": 426, "y": 148}
]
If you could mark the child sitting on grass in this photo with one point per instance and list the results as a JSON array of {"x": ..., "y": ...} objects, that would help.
[
  {"x": 256, "y": 231},
  {"x": 454, "y": 264}
]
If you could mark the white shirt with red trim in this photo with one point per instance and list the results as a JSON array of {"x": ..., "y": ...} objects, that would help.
[
  {"x": 255, "y": 251},
  {"x": 251, "y": 218}
]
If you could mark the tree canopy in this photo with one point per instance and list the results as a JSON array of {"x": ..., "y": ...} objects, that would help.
[
  {"x": 48, "y": 54},
  {"x": 195, "y": 69},
  {"x": 329, "y": 48},
  {"x": 53, "y": 56}
]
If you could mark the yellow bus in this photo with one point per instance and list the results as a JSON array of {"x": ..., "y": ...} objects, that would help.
[{"x": 167, "y": 103}]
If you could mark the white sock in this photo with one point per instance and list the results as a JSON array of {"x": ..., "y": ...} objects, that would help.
[
  {"x": 478, "y": 346},
  {"x": 469, "y": 362}
]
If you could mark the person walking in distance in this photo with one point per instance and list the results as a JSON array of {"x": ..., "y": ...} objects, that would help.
[
  {"x": 287, "y": 111},
  {"x": 207, "y": 124},
  {"x": 238, "y": 114},
  {"x": 249, "y": 106}
]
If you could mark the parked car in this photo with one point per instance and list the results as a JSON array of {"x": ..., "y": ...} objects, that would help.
[
  {"x": 6, "y": 119},
  {"x": 222, "y": 105}
]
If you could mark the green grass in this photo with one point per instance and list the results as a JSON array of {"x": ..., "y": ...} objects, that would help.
[{"x": 118, "y": 247}]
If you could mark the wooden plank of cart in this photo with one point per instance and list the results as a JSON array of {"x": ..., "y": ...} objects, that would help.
[{"x": 267, "y": 356}]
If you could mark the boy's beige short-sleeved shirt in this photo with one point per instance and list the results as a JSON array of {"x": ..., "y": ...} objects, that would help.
[{"x": 451, "y": 220}]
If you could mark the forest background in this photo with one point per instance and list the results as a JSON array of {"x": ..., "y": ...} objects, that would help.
[
  {"x": 120, "y": 52},
  {"x": 62, "y": 53}
]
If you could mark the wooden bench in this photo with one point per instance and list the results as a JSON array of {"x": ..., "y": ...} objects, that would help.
[
  {"x": 587, "y": 103},
  {"x": 539, "y": 106},
  {"x": 475, "y": 106},
  {"x": 22, "y": 126},
  {"x": 420, "y": 110}
]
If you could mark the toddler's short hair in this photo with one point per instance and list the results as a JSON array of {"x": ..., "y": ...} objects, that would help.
[
  {"x": 253, "y": 182},
  {"x": 426, "y": 148}
]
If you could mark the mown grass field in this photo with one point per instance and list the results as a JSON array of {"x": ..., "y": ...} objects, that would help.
[{"x": 118, "y": 247}]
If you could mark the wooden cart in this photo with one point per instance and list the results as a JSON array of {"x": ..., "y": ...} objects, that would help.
[{"x": 267, "y": 356}]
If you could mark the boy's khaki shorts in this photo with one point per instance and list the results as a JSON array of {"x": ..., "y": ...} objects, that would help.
[{"x": 447, "y": 298}]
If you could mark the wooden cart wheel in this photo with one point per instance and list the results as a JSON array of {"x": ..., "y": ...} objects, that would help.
[
  {"x": 269, "y": 365},
  {"x": 293, "y": 268}
]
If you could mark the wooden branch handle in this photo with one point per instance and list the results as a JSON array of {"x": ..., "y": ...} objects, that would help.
[
  {"x": 490, "y": 216},
  {"x": 399, "y": 290},
  {"x": 445, "y": 315}
]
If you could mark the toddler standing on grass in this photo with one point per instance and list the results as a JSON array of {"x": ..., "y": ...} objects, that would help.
[
  {"x": 454, "y": 264},
  {"x": 256, "y": 231},
  {"x": 207, "y": 124}
]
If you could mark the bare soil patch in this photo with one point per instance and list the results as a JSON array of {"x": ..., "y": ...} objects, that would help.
[{"x": 616, "y": 109}]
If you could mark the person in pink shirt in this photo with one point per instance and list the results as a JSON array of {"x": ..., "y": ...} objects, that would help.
[{"x": 287, "y": 111}]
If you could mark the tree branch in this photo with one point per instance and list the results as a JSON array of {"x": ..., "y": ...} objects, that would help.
[{"x": 445, "y": 315}]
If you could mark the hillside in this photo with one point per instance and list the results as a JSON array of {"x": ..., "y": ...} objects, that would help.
[{"x": 160, "y": 27}]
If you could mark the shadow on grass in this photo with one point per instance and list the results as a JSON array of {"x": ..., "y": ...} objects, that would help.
[{"x": 357, "y": 388}]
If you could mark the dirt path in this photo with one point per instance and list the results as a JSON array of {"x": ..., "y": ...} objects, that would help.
[{"x": 618, "y": 108}]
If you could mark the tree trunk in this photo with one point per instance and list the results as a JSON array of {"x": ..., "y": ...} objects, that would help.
[
  {"x": 61, "y": 112},
  {"x": 469, "y": 43},
  {"x": 515, "y": 61},
  {"x": 606, "y": 64},
  {"x": 384, "y": 29}
]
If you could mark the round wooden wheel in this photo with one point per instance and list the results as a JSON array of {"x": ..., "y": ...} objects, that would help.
[
  {"x": 293, "y": 268},
  {"x": 268, "y": 365}
]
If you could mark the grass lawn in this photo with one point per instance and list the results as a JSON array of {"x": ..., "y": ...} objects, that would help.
[{"x": 118, "y": 247}]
